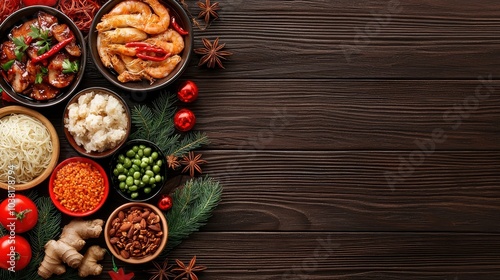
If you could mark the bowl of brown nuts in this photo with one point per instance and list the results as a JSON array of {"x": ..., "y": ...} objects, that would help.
[{"x": 136, "y": 232}]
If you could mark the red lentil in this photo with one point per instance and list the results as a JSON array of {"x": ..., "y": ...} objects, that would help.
[{"x": 79, "y": 186}]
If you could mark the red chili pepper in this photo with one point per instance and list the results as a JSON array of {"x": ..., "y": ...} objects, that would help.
[
  {"x": 137, "y": 44},
  {"x": 152, "y": 57},
  {"x": 177, "y": 27},
  {"x": 56, "y": 48},
  {"x": 151, "y": 49}
]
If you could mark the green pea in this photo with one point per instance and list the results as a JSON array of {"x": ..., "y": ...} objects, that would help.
[
  {"x": 137, "y": 182},
  {"x": 137, "y": 175},
  {"x": 129, "y": 181},
  {"x": 127, "y": 163},
  {"x": 134, "y": 195},
  {"x": 145, "y": 179},
  {"x": 122, "y": 185},
  {"x": 141, "y": 184},
  {"x": 115, "y": 172},
  {"x": 147, "y": 151},
  {"x": 136, "y": 167},
  {"x": 130, "y": 153},
  {"x": 142, "y": 146},
  {"x": 122, "y": 177},
  {"x": 136, "y": 161},
  {"x": 150, "y": 173},
  {"x": 140, "y": 153},
  {"x": 121, "y": 158},
  {"x": 146, "y": 160},
  {"x": 120, "y": 167},
  {"x": 135, "y": 148},
  {"x": 152, "y": 180},
  {"x": 144, "y": 164},
  {"x": 158, "y": 178},
  {"x": 133, "y": 188},
  {"x": 154, "y": 155},
  {"x": 156, "y": 169},
  {"x": 130, "y": 172},
  {"x": 147, "y": 190},
  {"x": 159, "y": 162}
]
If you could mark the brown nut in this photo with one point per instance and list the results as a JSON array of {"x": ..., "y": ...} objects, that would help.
[
  {"x": 125, "y": 254},
  {"x": 113, "y": 240},
  {"x": 112, "y": 232},
  {"x": 125, "y": 226},
  {"x": 121, "y": 215},
  {"x": 155, "y": 227}
]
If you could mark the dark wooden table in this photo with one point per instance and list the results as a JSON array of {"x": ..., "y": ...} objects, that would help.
[{"x": 353, "y": 139}]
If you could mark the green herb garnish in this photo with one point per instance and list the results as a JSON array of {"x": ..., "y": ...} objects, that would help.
[
  {"x": 6, "y": 66},
  {"x": 21, "y": 47},
  {"x": 70, "y": 67},
  {"x": 43, "y": 38}
]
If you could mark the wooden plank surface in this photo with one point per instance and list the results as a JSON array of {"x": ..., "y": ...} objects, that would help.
[{"x": 354, "y": 140}]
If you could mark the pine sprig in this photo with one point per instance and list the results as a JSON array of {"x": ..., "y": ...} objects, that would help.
[
  {"x": 193, "y": 205},
  {"x": 190, "y": 142},
  {"x": 156, "y": 124}
]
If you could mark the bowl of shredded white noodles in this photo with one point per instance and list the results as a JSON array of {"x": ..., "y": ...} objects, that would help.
[{"x": 29, "y": 148}]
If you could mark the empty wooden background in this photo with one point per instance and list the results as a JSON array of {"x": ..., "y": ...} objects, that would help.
[{"x": 355, "y": 139}]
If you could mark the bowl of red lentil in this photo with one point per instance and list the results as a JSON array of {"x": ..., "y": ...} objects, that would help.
[{"x": 78, "y": 186}]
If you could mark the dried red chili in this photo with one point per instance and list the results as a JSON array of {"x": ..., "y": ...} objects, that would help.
[
  {"x": 152, "y": 57},
  {"x": 56, "y": 48},
  {"x": 177, "y": 27}
]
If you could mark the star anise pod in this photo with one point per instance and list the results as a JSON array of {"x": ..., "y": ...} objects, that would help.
[
  {"x": 212, "y": 53},
  {"x": 208, "y": 10},
  {"x": 192, "y": 163},
  {"x": 162, "y": 272},
  {"x": 173, "y": 162},
  {"x": 188, "y": 271}
]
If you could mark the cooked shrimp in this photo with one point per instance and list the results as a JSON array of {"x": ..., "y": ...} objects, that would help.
[
  {"x": 160, "y": 69},
  {"x": 153, "y": 23},
  {"x": 124, "y": 35},
  {"x": 171, "y": 41},
  {"x": 128, "y": 7},
  {"x": 135, "y": 70},
  {"x": 102, "y": 50}
]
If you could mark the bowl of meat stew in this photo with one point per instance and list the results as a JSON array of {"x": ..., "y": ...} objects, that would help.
[
  {"x": 42, "y": 56},
  {"x": 141, "y": 45}
]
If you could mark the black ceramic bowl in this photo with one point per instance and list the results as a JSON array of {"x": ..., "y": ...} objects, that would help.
[
  {"x": 26, "y": 14},
  {"x": 176, "y": 10},
  {"x": 130, "y": 170}
]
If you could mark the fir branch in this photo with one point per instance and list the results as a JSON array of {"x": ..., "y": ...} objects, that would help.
[
  {"x": 190, "y": 142},
  {"x": 193, "y": 205},
  {"x": 47, "y": 228}
]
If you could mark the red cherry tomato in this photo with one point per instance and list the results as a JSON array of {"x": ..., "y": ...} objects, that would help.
[
  {"x": 184, "y": 120},
  {"x": 188, "y": 91},
  {"x": 51, "y": 3},
  {"x": 15, "y": 252},
  {"x": 18, "y": 213},
  {"x": 165, "y": 202}
]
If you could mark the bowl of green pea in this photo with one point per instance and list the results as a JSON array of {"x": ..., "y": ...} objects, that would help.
[{"x": 138, "y": 170}]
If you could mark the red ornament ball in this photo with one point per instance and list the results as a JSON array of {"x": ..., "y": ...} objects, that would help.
[
  {"x": 184, "y": 120},
  {"x": 188, "y": 91},
  {"x": 165, "y": 202}
]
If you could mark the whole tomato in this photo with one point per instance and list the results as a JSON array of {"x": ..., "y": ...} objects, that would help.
[
  {"x": 15, "y": 252},
  {"x": 51, "y": 3},
  {"x": 184, "y": 120},
  {"x": 18, "y": 213}
]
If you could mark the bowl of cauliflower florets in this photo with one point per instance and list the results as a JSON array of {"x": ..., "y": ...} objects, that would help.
[{"x": 96, "y": 122}]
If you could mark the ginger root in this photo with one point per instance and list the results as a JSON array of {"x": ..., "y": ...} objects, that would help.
[
  {"x": 65, "y": 250},
  {"x": 89, "y": 265}
]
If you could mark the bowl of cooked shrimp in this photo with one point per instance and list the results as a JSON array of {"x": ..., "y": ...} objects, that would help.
[
  {"x": 42, "y": 56},
  {"x": 141, "y": 45}
]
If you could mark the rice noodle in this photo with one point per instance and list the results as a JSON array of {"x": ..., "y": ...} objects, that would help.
[{"x": 25, "y": 143}]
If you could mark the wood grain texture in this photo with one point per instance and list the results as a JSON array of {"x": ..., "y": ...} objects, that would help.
[
  {"x": 359, "y": 39},
  {"x": 353, "y": 256},
  {"x": 356, "y": 191}
]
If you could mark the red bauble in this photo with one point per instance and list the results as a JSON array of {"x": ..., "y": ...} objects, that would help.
[
  {"x": 165, "y": 202},
  {"x": 184, "y": 120},
  {"x": 188, "y": 91}
]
